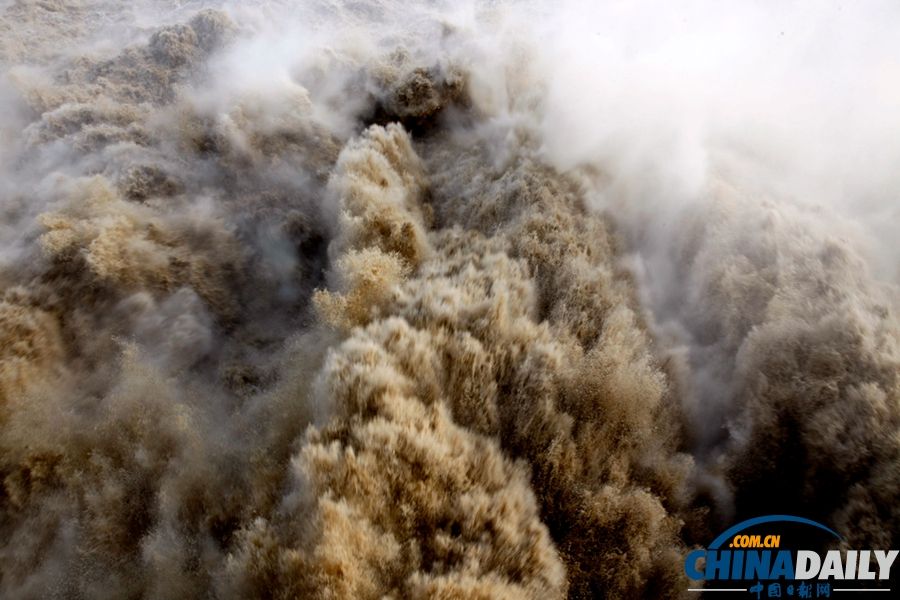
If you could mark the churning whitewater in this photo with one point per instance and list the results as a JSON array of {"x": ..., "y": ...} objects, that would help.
[{"x": 379, "y": 300}]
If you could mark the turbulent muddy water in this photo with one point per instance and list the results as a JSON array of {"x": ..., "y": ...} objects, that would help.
[{"x": 495, "y": 300}]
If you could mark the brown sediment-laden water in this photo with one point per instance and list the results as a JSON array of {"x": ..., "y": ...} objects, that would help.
[{"x": 387, "y": 300}]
